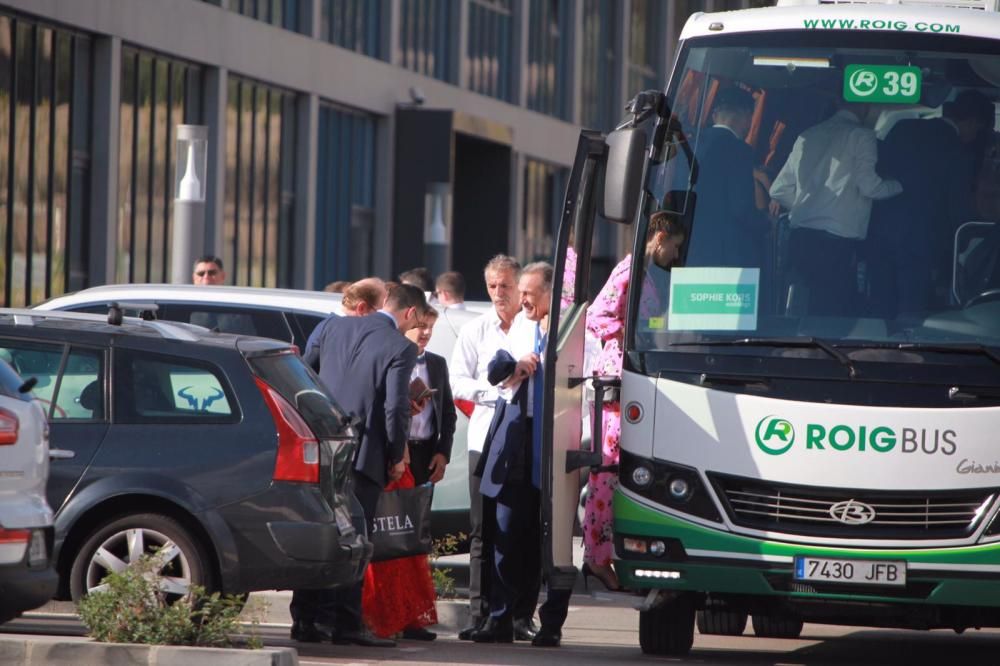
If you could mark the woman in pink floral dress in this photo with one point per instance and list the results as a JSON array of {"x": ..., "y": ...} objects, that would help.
[{"x": 606, "y": 321}]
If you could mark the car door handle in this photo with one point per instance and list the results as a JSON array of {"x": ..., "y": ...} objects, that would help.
[{"x": 61, "y": 454}]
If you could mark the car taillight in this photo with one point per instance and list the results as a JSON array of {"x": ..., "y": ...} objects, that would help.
[
  {"x": 8, "y": 427},
  {"x": 465, "y": 406},
  {"x": 298, "y": 448},
  {"x": 14, "y": 536}
]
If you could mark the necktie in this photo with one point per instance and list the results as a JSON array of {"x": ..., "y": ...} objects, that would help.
[{"x": 536, "y": 405}]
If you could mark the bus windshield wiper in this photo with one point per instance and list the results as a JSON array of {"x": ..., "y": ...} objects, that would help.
[
  {"x": 803, "y": 341},
  {"x": 989, "y": 352}
]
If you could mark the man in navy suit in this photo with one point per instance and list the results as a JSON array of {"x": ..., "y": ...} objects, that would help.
[
  {"x": 510, "y": 469},
  {"x": 365, "y": 364},
  {"x": 912, "y": 233},
  {"x": 726, "y": 221}
]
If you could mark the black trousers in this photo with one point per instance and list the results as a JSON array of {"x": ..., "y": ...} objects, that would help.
[
  {"x": 338, "y": 607},
  {"x": 421, "y": 453},
  {"x": 479, "y": 606}
]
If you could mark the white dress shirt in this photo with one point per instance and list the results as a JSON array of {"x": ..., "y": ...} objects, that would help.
[
  {"x": 477, "y": 342},
  {"x": 829, "y": 180},
  {"x": 422, "y": 424},
  {"x": 522, "y": 338}
]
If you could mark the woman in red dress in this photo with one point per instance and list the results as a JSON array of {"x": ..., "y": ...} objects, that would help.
[{"x": 399, "y": 595}]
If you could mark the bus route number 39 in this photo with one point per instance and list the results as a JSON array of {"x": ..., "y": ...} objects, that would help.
[{"x": 859, "y": 572}]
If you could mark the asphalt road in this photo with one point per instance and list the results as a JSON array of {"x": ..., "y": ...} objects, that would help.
[{"x": 604, "y": 630}]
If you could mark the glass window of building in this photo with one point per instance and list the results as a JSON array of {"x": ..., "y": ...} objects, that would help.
[
  {"x": 598, "y": 106},
  {"x": 546, "y": 76},
  {"x": 647, "y": 28},
  {"x": 353, "y": 24},
  {"x": 44, "y": 160},
  {"x": 345, "y": 195},
  {"x": 157, "y": 94},
  {"x": 489, "y": 51},
  {"x": 425, "y": 37},
  {"x": 544, "y": 186},
  {"x": 260, "y": 184},
  {"x": 282, "y": 13}
]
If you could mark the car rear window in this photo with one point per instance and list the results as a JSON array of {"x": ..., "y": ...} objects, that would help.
[{"x": 297, "y": 384}]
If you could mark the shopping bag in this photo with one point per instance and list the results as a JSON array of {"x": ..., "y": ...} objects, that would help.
[{"x": 401, "y": 526}]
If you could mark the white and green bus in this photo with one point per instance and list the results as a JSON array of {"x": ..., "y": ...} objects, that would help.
[{"x": 811, "y": 416}]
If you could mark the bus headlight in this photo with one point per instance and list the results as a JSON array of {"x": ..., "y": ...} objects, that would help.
[{"x": 642, "y": 476}]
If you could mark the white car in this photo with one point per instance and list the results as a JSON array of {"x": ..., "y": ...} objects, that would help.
[
  {"x": 290, "y": 315},
  {"x": 27, "y": 578}
]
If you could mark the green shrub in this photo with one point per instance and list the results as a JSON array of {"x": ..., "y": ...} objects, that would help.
[
  {"x": 444, "y": 583},
  {"x": 132, "y": 609}
]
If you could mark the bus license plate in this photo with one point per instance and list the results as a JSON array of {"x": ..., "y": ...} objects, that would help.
[{"x": 860, "y": 572}]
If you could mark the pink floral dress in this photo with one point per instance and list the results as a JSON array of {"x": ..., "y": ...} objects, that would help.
[{"x": 606, "y": 322}]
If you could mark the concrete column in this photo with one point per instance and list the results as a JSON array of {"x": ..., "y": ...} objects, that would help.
[
  {"x": 460, "y": 43},
  {"x": 105, "y": 126},
  {"x": 573, "y": 88},
  {"x": 216, "y": 98},
  {"x": 385, "y": 158},
  {"x": 519, "y": 51},
  {"x": 391, "y": 25},
  {"x": 303, "y": 269}
]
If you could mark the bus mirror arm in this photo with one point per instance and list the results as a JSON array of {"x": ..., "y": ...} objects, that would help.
[{"x": 606, "y": 389}]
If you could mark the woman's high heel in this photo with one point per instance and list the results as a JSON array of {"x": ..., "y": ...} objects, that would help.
[{"x": 610, "y": 584}]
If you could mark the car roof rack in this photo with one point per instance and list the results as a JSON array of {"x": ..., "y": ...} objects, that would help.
[{"x": 167, "y": 330}]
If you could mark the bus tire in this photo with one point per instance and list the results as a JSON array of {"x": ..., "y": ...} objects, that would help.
[
  {"x": 667, "y": 629},
  {"x": 779, "y": 626},
  {"x": 717, "y": 622}
]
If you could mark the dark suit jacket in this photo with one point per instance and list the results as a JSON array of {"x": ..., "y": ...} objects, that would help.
[
  {"x": 503, "y": 457},
  {"x": 726, "y": 219},
  {"x": 445, "y": 416},
  {"x": 365, "y": 364}
]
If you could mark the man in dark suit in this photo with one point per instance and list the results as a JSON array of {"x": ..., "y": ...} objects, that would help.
[
  {"x": 365, "y": 364},
  {"x": 432, "y": 429},
  {"x": 912, "y": 234},
  {"x": 510, "y": 469},
  {"x": 726, "y": 221}
]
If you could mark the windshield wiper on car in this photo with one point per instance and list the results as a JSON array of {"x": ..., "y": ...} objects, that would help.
[
  {"x": 989, "y": 352},
  {"x": 802, "y": 341}
]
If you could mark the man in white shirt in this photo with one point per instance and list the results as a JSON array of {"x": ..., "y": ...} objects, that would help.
[
  {"x": 449, "y": 290},
  {"x": 828, "y": 185},
  {"x": 477, "y": 342}
]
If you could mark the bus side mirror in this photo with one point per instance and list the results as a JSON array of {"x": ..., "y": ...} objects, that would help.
[{"x": 623, "y": 174}]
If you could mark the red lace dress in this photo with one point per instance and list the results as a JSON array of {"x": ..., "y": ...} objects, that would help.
[{"x": 399, "y": 593}]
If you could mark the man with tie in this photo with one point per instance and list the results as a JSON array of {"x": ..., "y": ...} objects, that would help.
[
  {"x": 510, "y": 468},
  {"x": 432, "y": 429},
  {"x": 365, "y": 364}
]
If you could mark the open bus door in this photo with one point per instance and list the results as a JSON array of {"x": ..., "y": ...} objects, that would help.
[{"x": 563, "y": 403}]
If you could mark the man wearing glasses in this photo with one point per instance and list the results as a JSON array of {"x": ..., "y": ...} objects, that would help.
[{"x": 208, "y": 270}]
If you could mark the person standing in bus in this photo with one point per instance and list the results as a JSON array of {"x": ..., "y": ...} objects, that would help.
[
  {"x": 606, "y": 321},
  {"x": 827, "y": 185}
]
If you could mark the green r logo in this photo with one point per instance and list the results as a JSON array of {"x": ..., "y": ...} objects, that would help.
[
  {"x": 863, "y": 82},
  {"x": 774, "y": 435}
]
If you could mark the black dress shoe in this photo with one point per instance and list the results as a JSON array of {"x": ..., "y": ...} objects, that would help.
[
  {"x": 362, "y": 637},
  {"x": 495, "y": 631},
  {"x": 311, "y": 632},
  {"x": 525, "y": 629},
  {"x": 477, "y": 624},
  {"x": 418, "y": 634},
  {"x": 546, "y": 638}
]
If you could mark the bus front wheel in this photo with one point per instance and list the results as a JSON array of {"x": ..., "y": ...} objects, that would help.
[
  {"x": 668, "y": 629},
  {"x": 718, "y": 622},
  {"x": 775, "y": 626}
]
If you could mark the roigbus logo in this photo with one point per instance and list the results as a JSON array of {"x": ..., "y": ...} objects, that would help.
[{"x": 774, "y": 435}]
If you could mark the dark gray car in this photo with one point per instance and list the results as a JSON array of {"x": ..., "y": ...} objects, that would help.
[{"x": 220, "y": 450}]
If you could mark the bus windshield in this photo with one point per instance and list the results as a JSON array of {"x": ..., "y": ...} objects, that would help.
[{"x": 840, "y": 186}]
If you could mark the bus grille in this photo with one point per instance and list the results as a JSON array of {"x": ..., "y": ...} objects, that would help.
[{"x": 855, "y": 514}]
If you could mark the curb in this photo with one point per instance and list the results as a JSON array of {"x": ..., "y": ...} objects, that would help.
[{"x": 61, "y": 652}]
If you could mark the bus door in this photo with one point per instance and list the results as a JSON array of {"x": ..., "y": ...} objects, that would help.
[{"x": 564, "y": 381}]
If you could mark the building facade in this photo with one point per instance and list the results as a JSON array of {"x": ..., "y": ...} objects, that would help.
[{"x": 346, "y": 137}]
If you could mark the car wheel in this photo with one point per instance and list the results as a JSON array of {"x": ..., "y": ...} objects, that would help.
[{"x": 120, "y": 543}]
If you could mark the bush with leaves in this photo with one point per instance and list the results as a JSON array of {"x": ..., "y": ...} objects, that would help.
[
  {"x": 444, "y": 583},
  {"x": 131, "y": 609}
]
